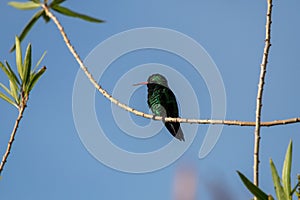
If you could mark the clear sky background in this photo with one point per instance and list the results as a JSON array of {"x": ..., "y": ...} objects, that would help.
[{"x": 48, "y": 160}]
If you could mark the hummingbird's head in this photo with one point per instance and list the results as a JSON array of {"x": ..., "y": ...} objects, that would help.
[
  {"x": 158, "y": 79},
  {"x": 155, "y": 79}
]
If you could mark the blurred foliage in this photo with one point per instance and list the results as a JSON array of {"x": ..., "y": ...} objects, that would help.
[
  {"x": 54, "y": 5},
  {"x": 283, "y": 188}
]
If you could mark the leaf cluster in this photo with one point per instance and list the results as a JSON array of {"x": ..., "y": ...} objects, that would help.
[
  {"x": 54, "y": 5},
  {"x": 22, "y": 82},
  {"x": 283, "y": 188}
]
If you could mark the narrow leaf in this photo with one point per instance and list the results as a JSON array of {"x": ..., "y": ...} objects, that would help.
[
  {"x": 9, "y": 73},
  {"x": 19, "y": 58},
  {"x": 29, "y": 5},
  {"x": 28, "y": 26},
  {"x": 36, "y": 1},
  {"x": 14, "y": 76},
  {"x": 295, "y": 188},
  {"x": 253, "y": 188},
  {"x": 35, "y": 77},
  {"x": 5, "y": 70},
  {"x": 46, "y": 18},
  {"x": 270, "y": 197},
  {"x": 14, "y": 91},
  {"x": 40, "y": 60},
  {"x": 286, "y": 171},
  {"x": 56, "y": 2},
  {"x": 68, "y": 12},
  {"x": 5, "y": 88},
  {"x": 4, "y": 97},
  {"x": 276, "y": 180},
  {"x": 27, "y": 65}
]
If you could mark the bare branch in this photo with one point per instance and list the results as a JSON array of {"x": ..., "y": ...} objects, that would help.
[
  {"x": 149, "y": 116},
  {"x": 263, "y": 67},
  {"x": 85, "y": 69},
  {"x": 14, "y": 131},
  {"x": 230, "y": 122}
]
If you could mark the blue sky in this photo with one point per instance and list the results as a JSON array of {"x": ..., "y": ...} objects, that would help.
[{"x": 49, "y": 161}]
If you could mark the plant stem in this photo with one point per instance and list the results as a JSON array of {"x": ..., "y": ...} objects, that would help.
[
  {"x": 263, "y": 67},
  {"x": 149, "y": 116},
  {"x": 13, "y": 133},
  {"x": 85, "y": 69},
  {"x": 298, "y": 186}
]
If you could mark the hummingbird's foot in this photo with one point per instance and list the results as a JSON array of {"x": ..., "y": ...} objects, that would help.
[
  {"x": 153, "y": 117},
  {"x": 163, "y": 118}
]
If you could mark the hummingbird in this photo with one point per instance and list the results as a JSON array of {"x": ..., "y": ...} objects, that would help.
[{"x": 162, "y": 102}]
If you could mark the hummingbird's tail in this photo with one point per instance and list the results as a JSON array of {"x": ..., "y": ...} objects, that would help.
[
  {"x": 180, "y": 135},
  {"x": 175, "y": 129}
]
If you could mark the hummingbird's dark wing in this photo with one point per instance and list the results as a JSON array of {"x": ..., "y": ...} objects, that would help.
[
  {"x": 162, "y": 102},
  {"x": 169, "y": 102},
  {"x": 172, "y": 111}
]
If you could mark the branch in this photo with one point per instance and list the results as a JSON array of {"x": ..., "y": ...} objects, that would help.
[
  {"x": 230, "y": 122},
  {"x": 85, "y": 69},
  {"x": 14, "y": 131},
  {"x": 263, "y": 67},
  {"x": 142, "y": 114}
]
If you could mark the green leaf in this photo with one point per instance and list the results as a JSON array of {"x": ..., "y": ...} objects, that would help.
[
  {"x": 5, "y": 88},
  {"x": 6, "y": 98},
  {"x": 19, "y": 58},
  {"x": 13, "y": 75},
  {"x": 35, "y": 77},
  {"x": 253, "y": 188},
  {"x": 270, "y": 197},
  {"x": 29, "y": 5},
  {"x": 68, "y": 12},
  {"x": 46, "y": 18},
  {"x": 40, "y": 60},
  {"x": 27, "y": 65},
  {"x": 295, "y": 188},
  {"x": 14, "y": 92},
  {"x": 28, "y": 26},
  {"x": 36, "y": 1},
  {"x": 276, "y": 180},
  {"x": 14, "y": 84},
  {"x": 6, "y": 71},
  {"x": 286, "y": 171},
  {"x": 56, "y": 2}
]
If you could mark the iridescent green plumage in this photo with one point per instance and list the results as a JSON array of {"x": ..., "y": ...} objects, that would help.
[{"x": 162, "y": 102}]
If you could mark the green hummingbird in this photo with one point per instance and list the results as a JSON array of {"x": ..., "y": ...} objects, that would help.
[{"x": 162, "y": 102}]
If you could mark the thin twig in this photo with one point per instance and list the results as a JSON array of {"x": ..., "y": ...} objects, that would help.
[
  {"x": 86, "y": 71},
  {"x": 263, "y": 67},
  {"x": 142, "y": 114},
  {"x": 298, "y": 187},
  {"x": 230, "y": 122},
  {"x": 13, "y": 133}
]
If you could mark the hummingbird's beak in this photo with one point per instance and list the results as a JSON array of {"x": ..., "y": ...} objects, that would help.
[{"x": 141, "y": 83}]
